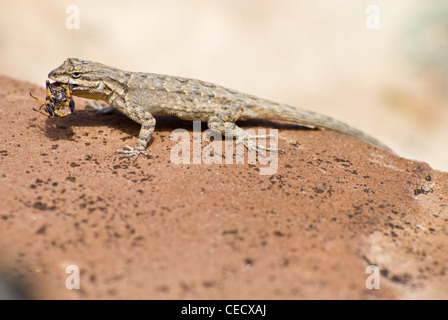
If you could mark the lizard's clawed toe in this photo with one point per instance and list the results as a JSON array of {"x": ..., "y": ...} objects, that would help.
[
  {"x": 130, "y": 152},
  {"x": 251, "y": 145}
]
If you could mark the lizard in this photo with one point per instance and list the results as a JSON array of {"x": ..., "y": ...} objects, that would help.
[{"x": 141, "y": 96}]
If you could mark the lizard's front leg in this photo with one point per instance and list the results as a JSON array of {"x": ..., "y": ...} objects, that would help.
[{"x": 148, "y": 122}]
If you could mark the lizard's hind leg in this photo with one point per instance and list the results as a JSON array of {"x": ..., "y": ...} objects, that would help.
[{"x": 230, "y": 129}]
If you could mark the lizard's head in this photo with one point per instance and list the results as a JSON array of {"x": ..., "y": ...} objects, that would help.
[{"x": 84, "y": 76}]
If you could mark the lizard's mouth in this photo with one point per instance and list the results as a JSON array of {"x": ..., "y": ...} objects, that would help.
[
  {"x": 56, "y": 84},
  {"x": 71, "y": 86}
]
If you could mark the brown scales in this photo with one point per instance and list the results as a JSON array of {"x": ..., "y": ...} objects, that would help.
[{"x": 141, "y": 96}]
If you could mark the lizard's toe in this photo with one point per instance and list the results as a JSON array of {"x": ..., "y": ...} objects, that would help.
[
  {"x": 130, "y": 152},
  {"x": 263, "y": 136},
  {"x": 251, "y": 145}
]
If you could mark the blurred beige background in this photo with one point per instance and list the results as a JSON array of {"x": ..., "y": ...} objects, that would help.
[{"x": 391, "y": 82}]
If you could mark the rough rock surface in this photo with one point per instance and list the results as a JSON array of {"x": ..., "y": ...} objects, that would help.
[{"x": 157, "y": 230}]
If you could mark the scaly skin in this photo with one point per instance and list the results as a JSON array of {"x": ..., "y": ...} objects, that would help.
[{"x": 140, "y": 96}]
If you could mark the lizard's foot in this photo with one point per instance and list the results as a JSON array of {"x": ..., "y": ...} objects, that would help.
[
  {"x": 249, "y": 142},
  {"x": 98, "y": 108},
  {"x": 130, "y": 152}
]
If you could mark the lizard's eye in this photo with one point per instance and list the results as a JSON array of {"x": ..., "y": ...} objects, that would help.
[{"x": 76, "y": 75}]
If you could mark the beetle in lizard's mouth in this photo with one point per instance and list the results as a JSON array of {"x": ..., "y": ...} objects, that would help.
[{"x": 59, "y": 102}]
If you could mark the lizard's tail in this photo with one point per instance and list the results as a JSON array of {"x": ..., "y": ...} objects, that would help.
[{"x": 268, "y": 110}]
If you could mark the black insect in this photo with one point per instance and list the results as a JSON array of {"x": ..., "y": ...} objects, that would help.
[{"x": 58, "y": 102}]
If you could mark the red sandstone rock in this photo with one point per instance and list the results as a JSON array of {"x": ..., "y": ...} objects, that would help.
[{"x": 156, "y": 230}]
